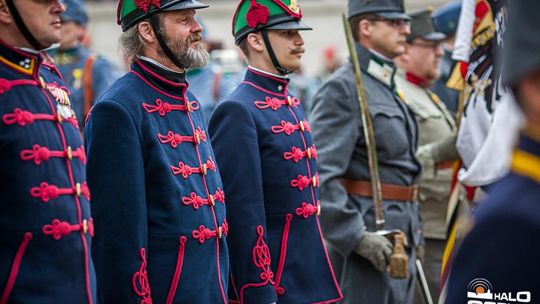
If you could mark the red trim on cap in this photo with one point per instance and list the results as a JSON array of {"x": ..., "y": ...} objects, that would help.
[
  {"x": 288, "y": 10},
  {"x": 257, "y": 14},
  {"x": 144, "y": 5}
]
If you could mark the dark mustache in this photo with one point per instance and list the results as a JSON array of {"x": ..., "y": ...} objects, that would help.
[{"x": 297, "y": 50}]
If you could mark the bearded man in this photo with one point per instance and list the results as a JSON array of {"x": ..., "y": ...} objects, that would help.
[{"x": 157, "y": 195}]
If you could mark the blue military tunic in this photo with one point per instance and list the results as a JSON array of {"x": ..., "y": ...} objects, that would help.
[
  {"x": 72, "y": 64},
  {"x": 503, "y": 246},
  {"x": 158, "y": 200},
  {"x": 44, "y": 199},
  {"x": 268, "y": 162}
]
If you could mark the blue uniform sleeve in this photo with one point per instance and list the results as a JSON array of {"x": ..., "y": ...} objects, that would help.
[
  {"x": 234, "y": 138},
  {"x": 104, "y": 74},
  {"x": 115, "y": 172}
]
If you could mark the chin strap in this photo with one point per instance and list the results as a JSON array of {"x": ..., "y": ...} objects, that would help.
[
  {"x": 154, "y": 21},
  {"x": 273, "y": 57},
  {"x": 22, "y": 27}
]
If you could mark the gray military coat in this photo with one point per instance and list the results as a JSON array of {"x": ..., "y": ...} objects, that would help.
[{"x": 341, "y": 147}]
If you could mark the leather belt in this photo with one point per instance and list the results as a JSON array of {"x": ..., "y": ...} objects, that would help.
[{"x": 390, "y": 192}]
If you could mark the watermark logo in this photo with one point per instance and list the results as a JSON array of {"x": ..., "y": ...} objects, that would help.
[{"x": 480, "y": 291}]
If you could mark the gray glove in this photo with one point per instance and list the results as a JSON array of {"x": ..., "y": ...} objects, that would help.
[{"x": 376, "y": 248}]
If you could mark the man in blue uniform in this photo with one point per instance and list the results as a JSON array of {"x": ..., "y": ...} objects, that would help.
[
  {"x": 157, "y": 195},
  {"x": 268, "y": 164},
  {"x": 445, "y": 20},
  {"x": 500, "y": 254},
  {"x": 45, "y": 217},
  {"x": 348, "y": 216},
  {"x": 86, "y": 74}
]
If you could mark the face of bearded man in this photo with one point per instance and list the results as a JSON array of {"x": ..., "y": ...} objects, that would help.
[
  {"x": 182, "y": 35},
  {"x": 189, "y": 52}
]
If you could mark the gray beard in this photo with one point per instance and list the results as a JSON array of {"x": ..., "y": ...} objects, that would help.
[
  {"x": 194, "y": 58},
  {"x": 187, "y": 57}
]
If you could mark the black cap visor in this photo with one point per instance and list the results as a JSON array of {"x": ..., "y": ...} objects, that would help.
[
  {"x": 186, "y": 4},
  {"x": 393, "y": 15},
  {"x": 435, "y": 36},
  {"x": 291, "y": 25}
]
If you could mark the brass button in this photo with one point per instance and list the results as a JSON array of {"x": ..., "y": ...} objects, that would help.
[
  {"x": 302, "y": 126},
  {"x": 85, "y": 226},
  {"x": 212, "y": 200},
  {"x": 318, "y": 210},
  {"x": 308, "y": 151},
  {"x": 197, "y": 138},
  {"x": 69, "y": 153},
  {"x": 78, "y": 189},
  {"x": 204, "y": 169},
  {"x": 289, "y": 101},
  {"x": 220, "y": 232}
]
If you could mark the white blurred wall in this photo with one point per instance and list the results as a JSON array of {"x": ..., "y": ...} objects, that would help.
[{"x": 323, "y": 15}]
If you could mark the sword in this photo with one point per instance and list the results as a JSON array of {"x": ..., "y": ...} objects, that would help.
[
  {"x": 422, "y": 281},
  {"x": 398, "y": 261},
  {"x": 369, "y": 134}
]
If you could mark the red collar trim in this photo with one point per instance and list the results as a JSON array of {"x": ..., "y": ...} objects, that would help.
[
  {"x": 417, "y": 80},
  {"x": 159, "y": 77}
]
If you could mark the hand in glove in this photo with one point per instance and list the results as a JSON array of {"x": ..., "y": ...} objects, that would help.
[{"x": 376, "y": 248}]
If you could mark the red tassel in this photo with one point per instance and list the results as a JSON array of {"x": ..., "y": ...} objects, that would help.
[
  {"x": 144, "y": 5},
  {"x": 257, "y": 14}
]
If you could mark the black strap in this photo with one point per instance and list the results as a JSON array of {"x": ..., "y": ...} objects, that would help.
[
  {"x": 273, "y": 57},
  {"x": 154, "y": 21},
  {"x": 22, "y": 27}
]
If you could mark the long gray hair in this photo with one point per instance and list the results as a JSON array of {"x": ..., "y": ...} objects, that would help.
[{"x": 130, "y": 44}]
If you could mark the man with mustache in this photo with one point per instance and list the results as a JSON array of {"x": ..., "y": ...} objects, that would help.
[
  {"x": 380, "y": 29},
  {"x": 47, "y": 229},
  {"x": 157, "y": 194},
  {"x": 268, "y": 164}
]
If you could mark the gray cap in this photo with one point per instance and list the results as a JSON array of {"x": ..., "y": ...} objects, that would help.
[
  {"x": 422, "y": 27},
  {"x": 521, "y": 52},
  {"x": 389, "y": 9}
]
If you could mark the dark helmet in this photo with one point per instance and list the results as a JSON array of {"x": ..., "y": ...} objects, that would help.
[
  {"x": 130, "y": 12},
  {"x": 255, "y": 15}
]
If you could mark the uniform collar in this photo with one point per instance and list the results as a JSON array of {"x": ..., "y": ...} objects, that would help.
[
  {"x": 67, "y": 56},
  {"x": 159, "y": 76},
  {"x": 526, "y": 158},
  {"x": 378, "y": 66},
  {"x": 265, "y": 81},
  {"x": 24, "y": 61}
]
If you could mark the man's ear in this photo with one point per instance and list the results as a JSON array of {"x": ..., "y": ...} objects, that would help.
[
  {"x": 5, "y": 15},
  {"x": 255, "y": 41},
  {"x": 364, "y": 28},
  {"x": 146, "y": 31}
]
